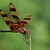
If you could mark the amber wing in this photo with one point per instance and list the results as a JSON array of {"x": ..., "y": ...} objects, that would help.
[
  {"x": 8, "y": 21},
  {"x": 14, "y": 13},
  {"x": 25, "y": 21}
]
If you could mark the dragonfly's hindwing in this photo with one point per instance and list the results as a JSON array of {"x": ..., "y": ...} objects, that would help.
[
  {"x": 6, "y": 18},
  {"x": 25, "y": 20},
  {"x": 8, "y": 21}
]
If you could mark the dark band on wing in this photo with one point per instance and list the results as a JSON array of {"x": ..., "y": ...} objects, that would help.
[
  {"x": 14, "y": 16},
  {"x": 27, "y": 18},
  {"x": 11, "y": 28},
  {"x": 10, "y": 3},
  {"x": 4, "y": 15},
  {"x": 8, "y": 22},
  {"x": 14, "y": 28},
  {"x": 12, "y": 9},
  {"x": 24, "y": 22},
  {"x": 0, "y": 10}
]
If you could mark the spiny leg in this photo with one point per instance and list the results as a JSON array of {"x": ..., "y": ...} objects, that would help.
[{"x": 24, "y": 38}]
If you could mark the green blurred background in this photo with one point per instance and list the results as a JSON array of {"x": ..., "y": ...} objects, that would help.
[{"x": 39, "y": 26}]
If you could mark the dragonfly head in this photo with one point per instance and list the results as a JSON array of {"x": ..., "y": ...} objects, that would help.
[{"x": 26, "y": 31}]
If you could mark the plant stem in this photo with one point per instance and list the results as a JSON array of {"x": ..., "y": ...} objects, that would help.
[{"x": 30, "y": 42}]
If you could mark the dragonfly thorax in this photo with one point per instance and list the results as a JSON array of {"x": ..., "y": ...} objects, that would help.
[
  {"x": 24, "y": 31},
  {"x": 27, "y": 31},
  {"x": 14, "y": 27}
]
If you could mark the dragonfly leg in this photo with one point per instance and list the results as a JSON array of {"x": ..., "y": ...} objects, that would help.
[{"x": 25, "y": 40}]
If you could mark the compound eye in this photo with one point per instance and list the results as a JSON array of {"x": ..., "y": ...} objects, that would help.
[{"x": 27, "y": 31}]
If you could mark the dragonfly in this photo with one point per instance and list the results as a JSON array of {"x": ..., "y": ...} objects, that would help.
[{"x": 19, "y": 25}]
